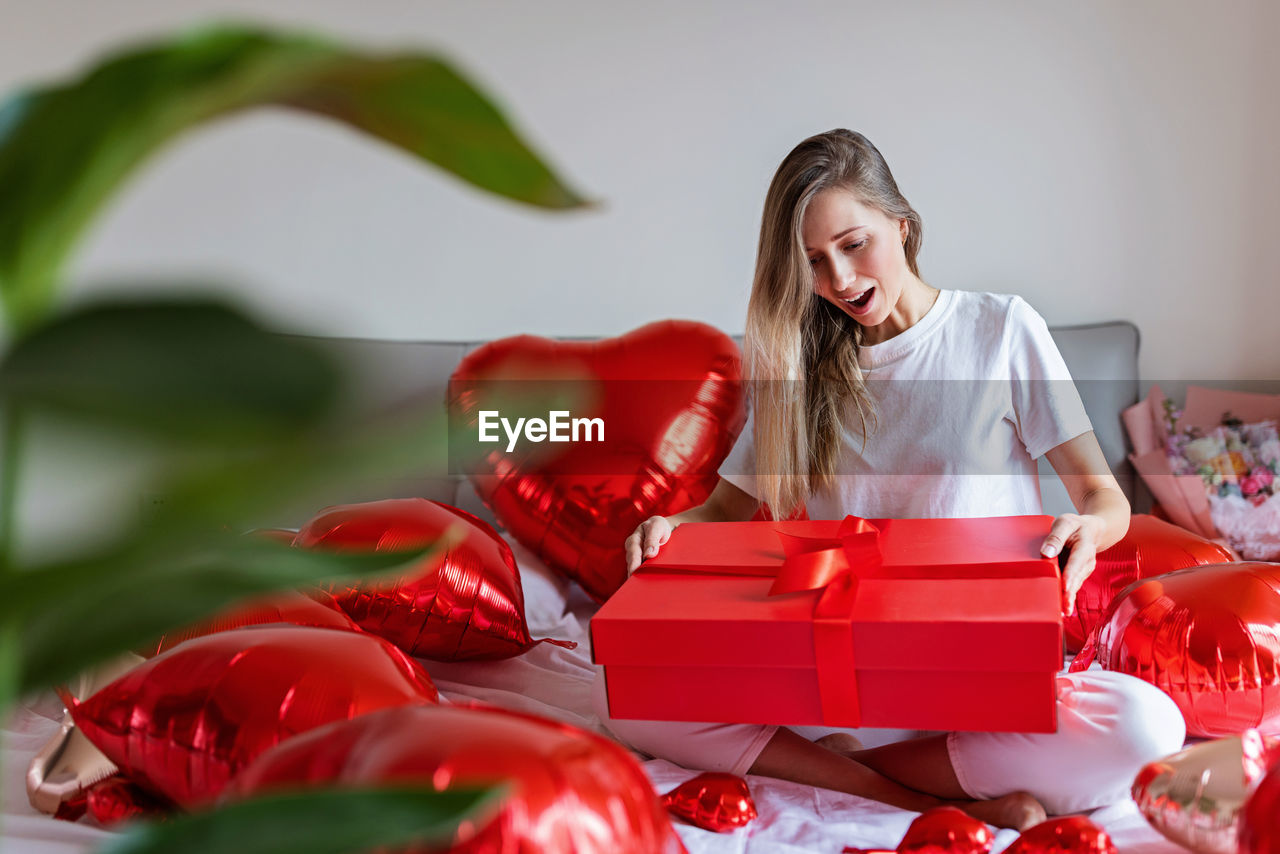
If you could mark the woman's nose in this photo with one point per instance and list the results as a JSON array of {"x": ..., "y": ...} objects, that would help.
[{"x": 843, "y": 277}]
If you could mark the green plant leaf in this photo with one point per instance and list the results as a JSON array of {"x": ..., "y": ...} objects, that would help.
[
  {"x": 73, "y": 614},
  {"x": 183, "y": 369},
  {"x": 65, "y": 149},
  {"x": 318, "y": 821}
]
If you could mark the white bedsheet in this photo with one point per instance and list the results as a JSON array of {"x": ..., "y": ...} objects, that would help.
[{"x": 556, "y": 683}]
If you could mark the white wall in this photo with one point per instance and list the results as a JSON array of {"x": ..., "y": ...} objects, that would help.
[{"x": 1105, "y": 160}]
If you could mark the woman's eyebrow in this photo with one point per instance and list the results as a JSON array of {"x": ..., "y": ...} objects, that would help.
[{"x": 843, "y": 233}]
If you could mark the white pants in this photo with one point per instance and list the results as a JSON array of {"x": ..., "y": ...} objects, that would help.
[{"x": 1109, "y": 726}]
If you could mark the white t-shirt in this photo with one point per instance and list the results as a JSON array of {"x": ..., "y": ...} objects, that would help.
[{"x": 964, "y": 402}]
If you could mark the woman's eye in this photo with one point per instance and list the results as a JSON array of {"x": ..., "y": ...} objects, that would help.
[
  {"x": 813, "y": 262},
  {"x": 854, "y": 246}
]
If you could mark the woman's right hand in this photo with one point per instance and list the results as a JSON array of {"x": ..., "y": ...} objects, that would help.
[{"x": 645, "y": 541}]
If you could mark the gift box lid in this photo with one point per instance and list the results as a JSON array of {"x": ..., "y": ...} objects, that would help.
[{"x": 947, "y": 587}]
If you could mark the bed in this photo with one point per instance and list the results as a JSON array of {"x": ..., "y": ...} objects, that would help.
[{"x": 556, "y": 682}]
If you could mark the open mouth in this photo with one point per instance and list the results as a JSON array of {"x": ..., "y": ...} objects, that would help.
[{"x": 862, "y": 299}]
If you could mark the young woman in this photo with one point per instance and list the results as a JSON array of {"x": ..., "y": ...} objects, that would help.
[{"x": 876, "y": 394}]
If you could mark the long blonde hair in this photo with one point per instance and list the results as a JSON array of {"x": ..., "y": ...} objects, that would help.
[{"x": 801, "y": 352}]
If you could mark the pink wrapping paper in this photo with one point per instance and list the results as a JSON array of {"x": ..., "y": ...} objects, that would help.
[{"x": 1182, "y": 497}]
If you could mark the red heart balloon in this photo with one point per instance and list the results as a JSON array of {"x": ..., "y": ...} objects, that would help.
[
  {"x": 1151, "y": 547},
  {"x": 671, "y": 403},
  {"x": 319, "y": 610},
  {"x": 1207, "y": 637},
  {"x": 466, "y": 605},
  {"x": 183, "y": 722},
  {"x": 1072, "y": 834},
  {"x": 1260, "y": 822},
  {"x": 712, "y": 801},
  {"x": 946, "y": 830},
  {"x": 571, "y": 792}
]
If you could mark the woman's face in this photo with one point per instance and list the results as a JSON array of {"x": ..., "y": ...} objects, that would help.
[{"x": 856, "y": 255}]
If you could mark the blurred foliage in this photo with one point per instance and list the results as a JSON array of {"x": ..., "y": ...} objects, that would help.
[
  {"x": 334, "y": 821},
  {"x": 240, "y": 420},
  {"x": 65, "y": 149}
]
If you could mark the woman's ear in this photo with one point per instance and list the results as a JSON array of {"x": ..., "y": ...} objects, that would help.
[{"x": 904, "y": 228}]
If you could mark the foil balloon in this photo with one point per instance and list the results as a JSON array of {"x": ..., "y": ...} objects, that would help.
[
  {"x": 669, "y": 405},
  {"x": 116, "y": 799},
  {"x": 182, "y": 723},
  {"x": 1195, "y": 796},
  {"x": 318, "y": 609},
  {"x": 946, "y": 830},
  {"x": 1068, "y": 835},
  {"x": 570, "y": 791},
  {"x": 1150, "y": 547},
  {"x": 1260, "y": 824},
  {"x": 713, "y": 801},
  {"x": 466, "y": 605},
  {"x": 1207, "y": 636}
]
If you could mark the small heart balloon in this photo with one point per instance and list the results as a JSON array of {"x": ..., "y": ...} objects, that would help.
[
  {"x": 946, "y": 830},
  {"x": 1150, "y": 547},
  {"x": 1195, "y": 796},
  {"x": 1206, "y": 636},
  {"x": 116, "y": 799},
  {"x": 1072, "y": 834},
  {"x": 1260, "y": 824},
  {"x": 669, "y": 404},
  {"x": 712, "y": 801},
  {"x": 568, "y": 791},
  {"x": 182, "y": 723},
  {"x": 467, "y": 605}
]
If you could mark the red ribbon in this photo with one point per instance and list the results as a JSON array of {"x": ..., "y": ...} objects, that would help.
[{"x": 833, "y": 565}]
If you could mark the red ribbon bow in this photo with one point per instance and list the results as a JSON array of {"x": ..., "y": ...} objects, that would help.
[{"x": 815, "y": 562}]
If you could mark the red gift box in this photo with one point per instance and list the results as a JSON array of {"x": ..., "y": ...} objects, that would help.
[{"x": 939, "y": 624}]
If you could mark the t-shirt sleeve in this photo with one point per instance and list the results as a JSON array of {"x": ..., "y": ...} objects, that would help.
[
  {"x": 1047, "y": 409},
  {"x": 739, "y": 468}
]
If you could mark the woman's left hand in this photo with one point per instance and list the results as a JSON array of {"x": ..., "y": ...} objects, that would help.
[{"x": 1079, "y": 534}]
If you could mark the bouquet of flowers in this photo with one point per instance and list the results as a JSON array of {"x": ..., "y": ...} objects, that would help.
[{"x": 1231, "y": 462}]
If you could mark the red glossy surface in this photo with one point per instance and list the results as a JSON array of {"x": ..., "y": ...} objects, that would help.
[
  {"x": 115, "y": 800},
  {"x": 946, "y": 830},
  {"x": 712, "y": 801},
  {"x": 182, "y": 723},
  {"x": 670, "y": 397},
  {"x": 464, "y": 605},
  {"x": 1208, "y": 636},
  {"x": 1260, "y": 823},
  {"x": 288, "y": 607},
  {"x": 1068, "y": 835},
  {"x": 1151, "y": 547},
  {"x": 570, "y": 790}
]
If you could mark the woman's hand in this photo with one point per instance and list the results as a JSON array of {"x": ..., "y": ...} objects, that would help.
[
  {"x": 645, "y": 541},
  {"x": 1080, "y": 534},
  {"x": 1101, "y": 517}
]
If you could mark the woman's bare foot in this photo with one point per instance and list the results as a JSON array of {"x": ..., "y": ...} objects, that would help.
[
  {"x": 1018, "y": 810},
  {"x": 840, "y": 742}
]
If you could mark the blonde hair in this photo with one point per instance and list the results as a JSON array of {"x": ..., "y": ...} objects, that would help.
[{"x": 801, "y": 352}]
